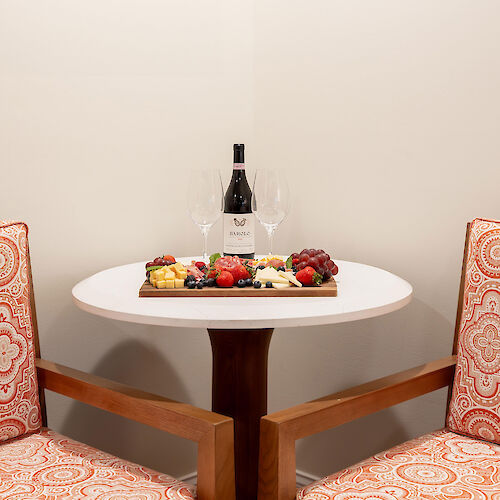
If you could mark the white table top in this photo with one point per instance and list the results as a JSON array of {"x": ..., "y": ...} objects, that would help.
[{"x": 363, "y": 292}]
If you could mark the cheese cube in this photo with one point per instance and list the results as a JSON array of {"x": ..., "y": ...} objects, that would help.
[
  {"x": 169, "y": 275},
  {"x": 178, "y": 283},
  {"x": 161, "y": 284},
  {"x": 182, "y": 274},
  {"x": 170, "y": 283}
]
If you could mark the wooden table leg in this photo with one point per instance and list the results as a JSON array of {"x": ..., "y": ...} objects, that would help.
[{"x": 239, "y": 390}]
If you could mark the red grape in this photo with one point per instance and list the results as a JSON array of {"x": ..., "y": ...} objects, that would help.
[
  {"x": 301, "y": 265},
  {"x": 335, "y": 269},
  {"x": 158, "y": 261},
  {"x": 314, "y": 262},
  {"x": 321, "y": 258},
  {"x": 330, "y": 264},
  {"x": 150, "y": 264}
]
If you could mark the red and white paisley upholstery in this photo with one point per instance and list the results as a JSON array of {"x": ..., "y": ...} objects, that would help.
[
  {"x": 19, "y": 405},
  {"x": 475, "y": 404},
  {"x": 438, "y": 466},
  {"x": 48, "y": 466}
]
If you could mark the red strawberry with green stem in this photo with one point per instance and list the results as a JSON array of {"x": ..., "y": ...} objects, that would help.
[
  {"x": 225, "y": 279},
  {"x": 309, "y": 277}
]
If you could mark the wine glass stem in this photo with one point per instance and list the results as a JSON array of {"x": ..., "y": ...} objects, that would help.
[
  {"x": 270, "y": 234},
  {"x": 204, "y": 231}
]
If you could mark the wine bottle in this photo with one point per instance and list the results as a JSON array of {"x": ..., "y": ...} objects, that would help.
[{"x": 239, "y": 234}]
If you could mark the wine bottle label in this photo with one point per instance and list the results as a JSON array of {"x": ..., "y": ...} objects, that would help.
[
  {"x": 238, "y": 166},
  {"x": 239, "y": 233}
]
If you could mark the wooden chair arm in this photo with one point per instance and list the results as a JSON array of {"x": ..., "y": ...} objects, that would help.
[
  {"x": 212, "y": 432},
  {"x": 344, "y": 406},
  {"x": 281, "y": 429}
]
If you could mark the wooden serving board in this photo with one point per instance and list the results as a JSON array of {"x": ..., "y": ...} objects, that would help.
[{"x": 328, "y": 289}]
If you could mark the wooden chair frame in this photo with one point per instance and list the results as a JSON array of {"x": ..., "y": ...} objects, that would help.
[
  {"x": 280, "y": 430},
  {"x": 213, "y": 432}
]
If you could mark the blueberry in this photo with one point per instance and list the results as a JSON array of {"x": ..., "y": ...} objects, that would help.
[
  {"x": 248, "y": 282},
  {"x": 211, "y": 282},
  {"x": 191, "y": 284},
  {"x": 269, "y": 284},
  {"x": 281, "y": 268},
  {"x": 257, "y": 284},
  {"x": 189, "y": 278},
  {"x": 294, "y": 269},
  {"x": 261, "y": 267},
  {"x": 241, "y": 283},
  {"x": 199, "y": 285}
]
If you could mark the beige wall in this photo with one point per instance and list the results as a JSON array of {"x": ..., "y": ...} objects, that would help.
[{"x": 385, "y": 114}]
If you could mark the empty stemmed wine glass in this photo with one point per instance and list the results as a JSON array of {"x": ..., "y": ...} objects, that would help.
[
  {"x": 270, "y": 200},
  {"x": 205, "y": 201}
]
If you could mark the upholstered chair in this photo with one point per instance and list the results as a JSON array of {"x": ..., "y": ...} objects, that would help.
[
  {"x": 38, "y": 463},
  {"x": 461, "y": 461}
]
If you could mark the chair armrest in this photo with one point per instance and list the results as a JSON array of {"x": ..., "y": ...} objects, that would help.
[
  {"x": 280, "y": 430},
  {"x": 214, "y": 433},
  {"x": 344, "y": 406},
  {"x": 177, "y": 418}
]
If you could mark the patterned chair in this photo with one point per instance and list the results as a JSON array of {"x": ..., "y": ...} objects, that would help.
[
  {"x": 38, "y": 463},
  {"x": 461, "y": 461}
]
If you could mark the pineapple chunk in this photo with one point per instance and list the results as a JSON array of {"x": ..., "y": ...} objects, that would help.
[{"x": 179, "y": 283}]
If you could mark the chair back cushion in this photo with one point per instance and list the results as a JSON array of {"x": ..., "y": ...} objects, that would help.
[
  {"x": 474, "y": 408},
  {"x": 19, "y": 404}
]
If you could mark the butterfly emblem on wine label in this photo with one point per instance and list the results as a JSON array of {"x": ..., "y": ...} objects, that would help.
[{"x": 239, "y": 223}]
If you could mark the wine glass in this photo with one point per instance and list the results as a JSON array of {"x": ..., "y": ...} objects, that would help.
[
  {"x": 270, "y": 200},
  {"x": 205, "y": 201}
]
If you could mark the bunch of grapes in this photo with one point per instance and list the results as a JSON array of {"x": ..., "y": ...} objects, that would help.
[{"x": 319, "y": 260}]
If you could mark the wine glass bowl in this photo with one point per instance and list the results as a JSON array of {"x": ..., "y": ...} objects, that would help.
[
  {"x": 270, "y": 200},
  {"x": 205, "y": 200}
]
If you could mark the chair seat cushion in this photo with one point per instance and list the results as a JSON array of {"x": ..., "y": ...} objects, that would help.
[
  {"x": 48, "y": 466},
  {"x": 438, "y": 466}
]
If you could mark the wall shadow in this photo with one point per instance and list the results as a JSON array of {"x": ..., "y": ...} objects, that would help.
[{"x": 140, "y": 365}]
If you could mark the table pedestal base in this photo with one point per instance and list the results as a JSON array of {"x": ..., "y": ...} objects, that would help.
[{"x": 239, "y": 390}]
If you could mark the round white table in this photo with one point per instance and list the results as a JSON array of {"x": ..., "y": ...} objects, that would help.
[{"x": 240, "y": 331}]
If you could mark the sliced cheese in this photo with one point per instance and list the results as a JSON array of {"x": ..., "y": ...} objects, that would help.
[
  {"x": 291, "y": 277},
  {"x": 279, "y": 286}
]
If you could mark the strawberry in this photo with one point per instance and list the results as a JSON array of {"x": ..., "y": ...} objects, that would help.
[
  {"x": 211, "y": 273},
  {"x": 309, "y": 277},
  {"x": 170, "y": 258},
  {"x": 225, "y": 279},
  {"x": 240, "y": 272}
]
